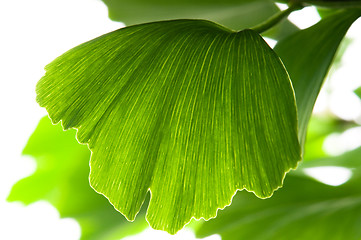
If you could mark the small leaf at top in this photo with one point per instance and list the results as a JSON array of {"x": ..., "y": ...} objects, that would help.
[
  {"x": 187, "y": 109},
  {"x": 234, "y": 14}
]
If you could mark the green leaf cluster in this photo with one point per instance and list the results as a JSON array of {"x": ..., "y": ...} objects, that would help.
[{"x": 192, "y": 112}]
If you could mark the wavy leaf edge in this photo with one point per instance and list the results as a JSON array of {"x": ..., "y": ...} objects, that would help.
[{"x": 221, "y": 27}]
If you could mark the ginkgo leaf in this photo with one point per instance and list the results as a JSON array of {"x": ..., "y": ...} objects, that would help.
[
  {"x": 309, "y": 62},
  {"x": 61, "y": 178},
  {"x": 186, "y": 109}
]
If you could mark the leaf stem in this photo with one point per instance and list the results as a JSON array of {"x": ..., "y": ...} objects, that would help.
[
  {"x": 269, "y": 23},
  {"x": 334, "y": 4}
]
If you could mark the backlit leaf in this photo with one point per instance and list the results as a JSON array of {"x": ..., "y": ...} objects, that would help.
[{"x": 186, "y": 109}]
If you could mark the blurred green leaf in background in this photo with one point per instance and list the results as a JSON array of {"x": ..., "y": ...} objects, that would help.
[
  {"x": 233, "y": 14},
  {"x": 62, "y": 179},
  {"x": 308, "y": 55},
  {"x": 302, "y": 209}
]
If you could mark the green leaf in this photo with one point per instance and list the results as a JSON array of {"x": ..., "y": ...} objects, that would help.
[
  {"x": 308, "y": 55},
  {"x": 358, "y": 92},
  {"x": 235, "y": 14},
  {"x": 325, "y": 12},
  {"x": 61, "y": 178},
  {"x": 186, "y": 109},
  {"x": 302, "y": 209},
  {"x": 319, "y": 128},
  {"x": 351, "y": 160}
]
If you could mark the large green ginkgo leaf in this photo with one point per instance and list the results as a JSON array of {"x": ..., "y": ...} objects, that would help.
[
  {"x": 308, "y": 55},
  {"x": 186, "y": 109},
  {"x": 62, "y": 179}
]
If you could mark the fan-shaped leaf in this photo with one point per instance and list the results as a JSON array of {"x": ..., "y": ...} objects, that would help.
[{"x": 188, "y": 109}]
